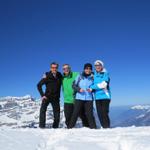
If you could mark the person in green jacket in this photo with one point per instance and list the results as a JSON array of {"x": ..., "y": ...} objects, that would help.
[{"x": 68, "y": 92}]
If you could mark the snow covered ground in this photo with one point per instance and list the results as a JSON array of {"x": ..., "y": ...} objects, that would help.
[
  {"x": 20, "y": 115},
  {"x": 131, "y": 138}
]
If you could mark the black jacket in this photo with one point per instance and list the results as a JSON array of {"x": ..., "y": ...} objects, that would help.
[{"x": 53, "y": 85}]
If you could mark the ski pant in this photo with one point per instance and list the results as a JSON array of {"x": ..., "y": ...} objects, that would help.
[
  {"x": 102, "y": 107},
  {"x": 56, "y": 112},
  {"x": 68, "y": 111},
  {"x": 88, "y": 106}
]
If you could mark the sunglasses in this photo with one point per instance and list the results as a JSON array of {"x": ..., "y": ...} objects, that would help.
[
  {"x": 98, "y": 65},
  {"x": 66, "y": 69},
  {"x": 53, "y": 67}
]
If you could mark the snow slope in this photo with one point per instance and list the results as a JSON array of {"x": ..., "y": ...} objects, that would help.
[
  {"x": 131, "y": 138},
  {"x": 19, "y": 116}
]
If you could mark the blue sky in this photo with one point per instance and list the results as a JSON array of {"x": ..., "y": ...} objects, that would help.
[{"x": 34, "y": 33}]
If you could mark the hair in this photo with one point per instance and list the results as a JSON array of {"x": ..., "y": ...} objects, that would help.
[
  {"x": 88, "y": 65},
  {"x": 54, "y": 63},
  {"x": 67, "y": 65}
]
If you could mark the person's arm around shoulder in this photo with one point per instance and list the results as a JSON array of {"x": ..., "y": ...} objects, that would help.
[{"x": 75, "y": 84}]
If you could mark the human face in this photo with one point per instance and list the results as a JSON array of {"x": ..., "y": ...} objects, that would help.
[
  {"x": 54, "y": 68},
  {"x": 98, "y": 68},
  {"x": 88, "y": 70},
  {"x": 66, "y": 70}
]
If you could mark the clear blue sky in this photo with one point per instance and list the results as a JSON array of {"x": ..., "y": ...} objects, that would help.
[{"x": 34, "y": 33}]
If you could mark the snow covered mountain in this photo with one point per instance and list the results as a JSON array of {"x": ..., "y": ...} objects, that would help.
[
  {"x": 22, "y": 112},
  {"x": 18, "y": 112},
  {"x": 138, "y": 115}
]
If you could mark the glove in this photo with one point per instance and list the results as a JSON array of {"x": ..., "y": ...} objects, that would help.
[{"x": 102, "y": 85}]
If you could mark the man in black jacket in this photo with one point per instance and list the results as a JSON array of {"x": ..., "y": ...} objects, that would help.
[{"x": 52, "y": 81}]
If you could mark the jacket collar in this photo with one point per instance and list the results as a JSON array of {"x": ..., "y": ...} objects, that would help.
[
  {"x": 84, "y": 76},
  {"x": 69, "y": 76},
  {"x": 102, "y": 72},
  {"x": 51, "y": 74}
]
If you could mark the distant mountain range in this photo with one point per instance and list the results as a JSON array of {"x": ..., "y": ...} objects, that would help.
[
  {"x": 138, "y": 115},
  {"x": 23, "y": 111}
]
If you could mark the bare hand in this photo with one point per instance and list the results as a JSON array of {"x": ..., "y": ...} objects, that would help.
[
  {"x": 44, "y": 98},
  {"x": 89, "y": 90},
  {"x": 81, "y": 91}
]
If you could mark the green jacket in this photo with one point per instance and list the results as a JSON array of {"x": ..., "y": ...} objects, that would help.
[{"x": 67, "y": 87}]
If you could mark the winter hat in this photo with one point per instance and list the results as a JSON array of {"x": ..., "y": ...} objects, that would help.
[
  {"x": 88, "y": 65},
  {"x": 99, "y": 62}
]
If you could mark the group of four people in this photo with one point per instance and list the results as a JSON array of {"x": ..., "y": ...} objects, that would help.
[{"x": 79, "y": 90}]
